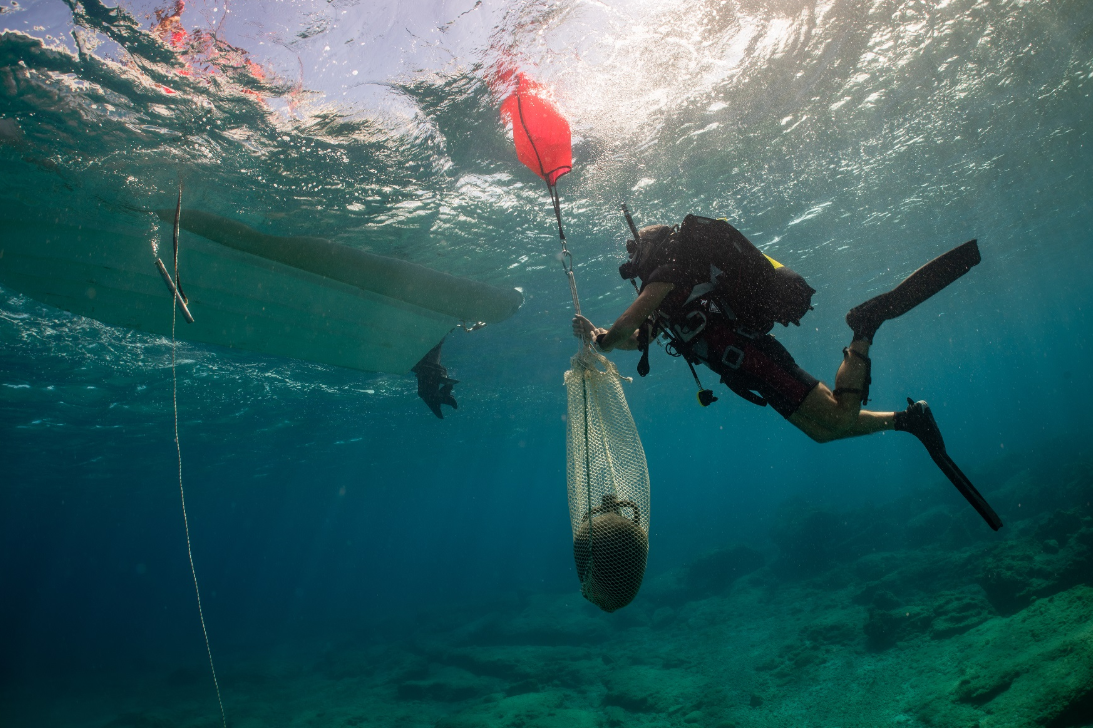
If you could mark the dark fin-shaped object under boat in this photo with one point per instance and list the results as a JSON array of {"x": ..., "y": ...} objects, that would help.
[
  {"x": 434, "y": 386},
  {"x": 919, "y": 421},
  {"x": 921, "y": 285}
]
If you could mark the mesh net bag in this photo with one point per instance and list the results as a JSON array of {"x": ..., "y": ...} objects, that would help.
[{"x": 608, "y": 484}]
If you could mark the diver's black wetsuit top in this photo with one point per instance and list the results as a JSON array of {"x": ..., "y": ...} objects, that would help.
[{"x": 747, "y": 361}]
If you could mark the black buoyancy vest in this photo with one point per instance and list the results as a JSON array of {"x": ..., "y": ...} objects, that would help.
[
  {"x": 730, "y": 268},
  {"x": 725, "y": 285},
  {"x": 715, "y": 261}
]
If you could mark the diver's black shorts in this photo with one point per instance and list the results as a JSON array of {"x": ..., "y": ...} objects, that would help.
[{"x": 762, "y": 365}]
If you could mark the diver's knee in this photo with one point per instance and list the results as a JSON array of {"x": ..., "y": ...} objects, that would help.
[
  {"x": 821, "y": 436},
  {"x": 839, "y": 421},
  {"x": 816, "y": 431},
  {"x": 820, "y": 417},
  {"x": 839, "y": 424}
]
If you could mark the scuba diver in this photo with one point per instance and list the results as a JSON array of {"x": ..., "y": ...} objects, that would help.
[{"x": 715, "y": 297}]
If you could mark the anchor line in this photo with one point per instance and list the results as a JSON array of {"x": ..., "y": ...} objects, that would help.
[{"x": 177, "y": 288}]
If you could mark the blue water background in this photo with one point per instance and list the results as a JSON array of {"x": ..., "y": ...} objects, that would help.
[{"x": 320, "y": 512}]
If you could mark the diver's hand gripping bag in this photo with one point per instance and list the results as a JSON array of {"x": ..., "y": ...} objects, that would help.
[{"x": 608, "y": 483}]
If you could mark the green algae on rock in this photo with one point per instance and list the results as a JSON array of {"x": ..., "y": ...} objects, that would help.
[
  {"x": 542, "y": 710},
  {"x": 1034, "y": 668},
  {"x": 1058, "y": 555}
]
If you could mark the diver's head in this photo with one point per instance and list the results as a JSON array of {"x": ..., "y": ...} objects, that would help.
[{"x": 643, "y": 251}]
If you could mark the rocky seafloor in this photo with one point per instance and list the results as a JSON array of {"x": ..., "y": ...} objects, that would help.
[{"x": 909, "y": 614}]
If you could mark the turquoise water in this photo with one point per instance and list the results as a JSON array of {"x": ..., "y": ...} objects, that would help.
[{"x": 364, "y": 563}]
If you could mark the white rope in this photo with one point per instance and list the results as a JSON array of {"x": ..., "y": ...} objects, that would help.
[{"x": 185, "y": 518}]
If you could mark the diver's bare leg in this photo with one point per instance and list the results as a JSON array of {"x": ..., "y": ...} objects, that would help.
[
  {"x": 825, "y": 417},
  {"x": 850, "y": 379}
]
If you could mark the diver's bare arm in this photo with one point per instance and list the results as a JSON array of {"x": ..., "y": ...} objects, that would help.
[
  {"x": 630, "y": 344},
  {"x": 623, "y": 334}
]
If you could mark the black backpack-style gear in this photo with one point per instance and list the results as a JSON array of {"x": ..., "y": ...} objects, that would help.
[{"x": 717, "y": 262}]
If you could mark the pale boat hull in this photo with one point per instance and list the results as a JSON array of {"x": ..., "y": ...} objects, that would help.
[{"x": 238, "y": 300}]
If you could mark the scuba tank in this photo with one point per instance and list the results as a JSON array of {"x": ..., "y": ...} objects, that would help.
[
  {"x": 717, "y": 261},
  {"x": 727, "y": 275}
]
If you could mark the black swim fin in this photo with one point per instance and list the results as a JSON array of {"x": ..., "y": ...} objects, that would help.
[
  {"x": 928, "y": 280},
  {"x": 434, "y": 386},
  {"x": 918, "y": 420}
]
